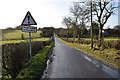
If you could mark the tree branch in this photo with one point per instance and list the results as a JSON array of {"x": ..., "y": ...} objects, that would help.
[{"x": 106, "y": 19}]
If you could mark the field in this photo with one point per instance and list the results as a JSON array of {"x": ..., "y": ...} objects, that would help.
[
  {"x": 27, "y": 40},
  {"x": 17, "y": 34},
  {"x": 105, "y": 38}
]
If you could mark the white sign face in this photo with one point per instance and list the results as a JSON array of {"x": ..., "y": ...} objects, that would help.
[
  {"x": 29, "y": 29},
  {"x": 28, "y": 20}
]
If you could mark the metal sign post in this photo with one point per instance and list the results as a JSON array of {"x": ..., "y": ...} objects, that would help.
[
  {"x": 30, "y": 46},
  {"x": 30, "y": 40},
  {"x": 28, "y": 20}
]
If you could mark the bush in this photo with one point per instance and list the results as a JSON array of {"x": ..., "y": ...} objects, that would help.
[
  {"x": 118, "y": 52},
  {"x": 81, "y": 41},
  {"x": 111, "y": 44},
  {"x": 35, "y": 70},
  {"x": 16, "y": 54},
  {"x": 106, "y": 44},
  {"x": 13, "y": 57}
]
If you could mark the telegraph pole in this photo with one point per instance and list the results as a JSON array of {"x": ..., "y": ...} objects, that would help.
[{"x": 91, "y": 26}]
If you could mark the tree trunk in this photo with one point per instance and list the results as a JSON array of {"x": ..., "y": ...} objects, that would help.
[
  {"x": 78, "y": 36},
  {"x": 68, "y": 33},
  {"x": 74, "y": 38},
  {"x": 100, "y": 34}
]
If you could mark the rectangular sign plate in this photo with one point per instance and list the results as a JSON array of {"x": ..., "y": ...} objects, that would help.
[{"x": 29, "y": 29}]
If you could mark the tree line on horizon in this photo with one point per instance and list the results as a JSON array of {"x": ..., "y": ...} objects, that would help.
[{"x": 63, "y": 32}]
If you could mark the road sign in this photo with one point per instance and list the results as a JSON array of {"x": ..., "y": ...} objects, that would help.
[
  {"x": 28, "y": 20},
  {"x": 29, "y": 29}
]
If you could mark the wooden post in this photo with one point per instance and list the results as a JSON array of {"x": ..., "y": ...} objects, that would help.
[{"x": 91, "y": 28}]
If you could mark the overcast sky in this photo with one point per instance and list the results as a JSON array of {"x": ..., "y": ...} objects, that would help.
[{"x": 45, "y": 12}]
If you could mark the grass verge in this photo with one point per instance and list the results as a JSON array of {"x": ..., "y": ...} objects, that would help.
[
  {"x": 27, "y": 40},
  {"x": 110, "y": 56},
  {"x": 105, "y": 38},
  {"x": 34, "y": 70}
]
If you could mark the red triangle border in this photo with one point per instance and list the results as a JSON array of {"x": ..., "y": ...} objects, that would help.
[{"x": 25, "y": 18}]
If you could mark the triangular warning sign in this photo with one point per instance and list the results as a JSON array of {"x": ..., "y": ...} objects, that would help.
[{"x": 28, "y": 20}]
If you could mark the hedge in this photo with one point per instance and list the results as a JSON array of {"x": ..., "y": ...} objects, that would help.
[
  {"x": 16, "y": 54},
  {"x": 35, "y": 70},
  {"x": 105, "y": 44}
]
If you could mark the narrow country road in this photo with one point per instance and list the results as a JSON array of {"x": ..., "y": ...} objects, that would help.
[{"x": 71, "y": 63}]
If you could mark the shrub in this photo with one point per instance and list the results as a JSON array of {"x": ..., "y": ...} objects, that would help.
[
  {"x": 106, "y": 44},
  {"x": 16, "y": 54},
  {"x": 112, "y": 44},
  {"x": 35, "y": 70},
  {"x": 117, "y": 45},
  {"x": 13, "y": 57},
  {"x": 81, "y": 41},
  {"x": 118, "y": 52}
]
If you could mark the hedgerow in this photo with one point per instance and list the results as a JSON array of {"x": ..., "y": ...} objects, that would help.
[
  {"x": 16, "y": 54},
  {"x": 34, "y": 70},
  {"x": 105, "y": 45}
]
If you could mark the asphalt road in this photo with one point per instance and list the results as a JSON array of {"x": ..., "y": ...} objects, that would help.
[{"x": 71, "y": 63}]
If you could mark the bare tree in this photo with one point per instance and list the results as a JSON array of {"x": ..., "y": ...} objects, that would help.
[
  {"x": 103, "y": 10},
  {"x": 67, "y": 22},
  {"x": 79, "y": 16}
]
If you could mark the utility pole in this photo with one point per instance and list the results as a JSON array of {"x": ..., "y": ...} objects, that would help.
[
  {"x": 119, "y": 17},
  {"x": 91, "y": 26}
]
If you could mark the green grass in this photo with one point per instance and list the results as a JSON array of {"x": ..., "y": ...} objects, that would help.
[
  {"x": 16, "y": 34},
  {"x": 27, "y": 40},
  {"x": 111, "y": 38},
  {"x": 34, "y": 70},
  {"x": 9, "y": 36},
  {"x": 107, "y": 55},
  {"x": 106, "y": 38}
]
